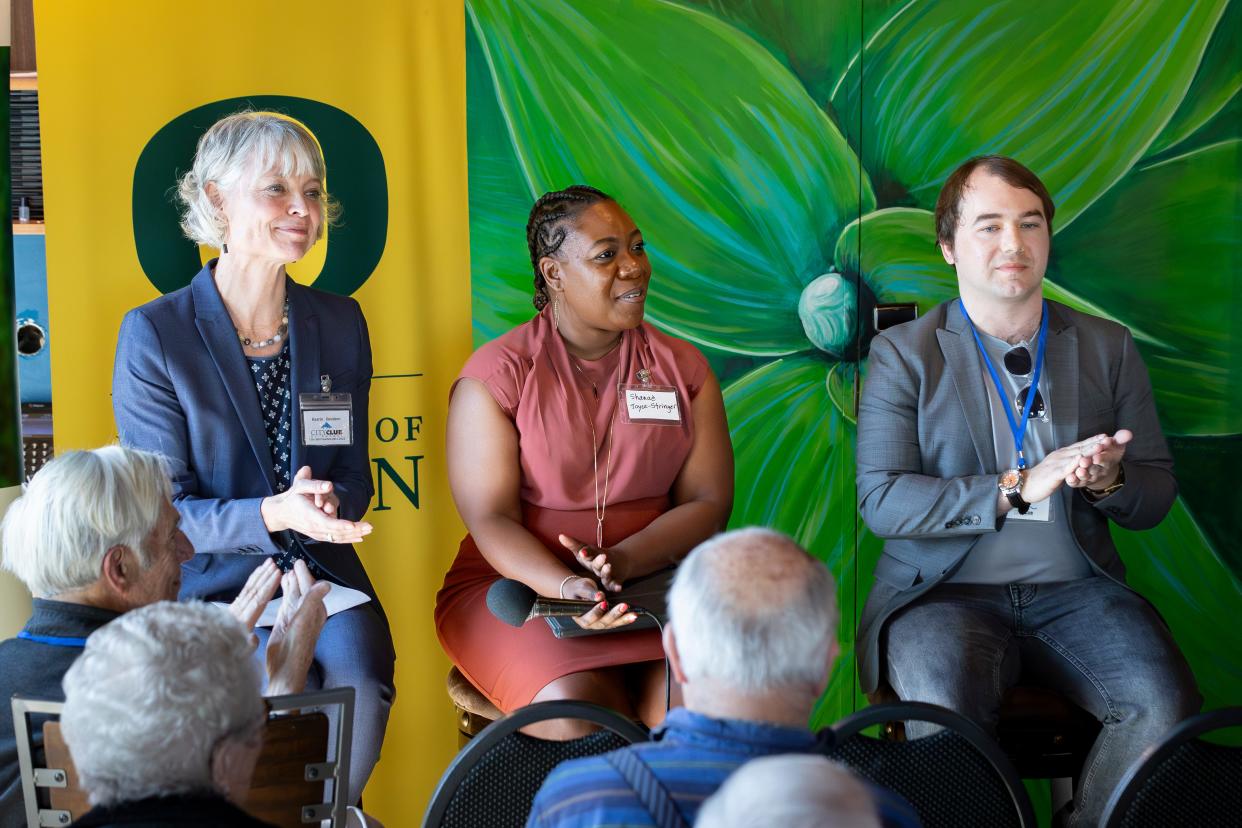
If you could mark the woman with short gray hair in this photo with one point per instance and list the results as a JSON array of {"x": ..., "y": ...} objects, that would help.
[
  {"x": 256, "y": 388},
  {"x": 163, "y": 716}
]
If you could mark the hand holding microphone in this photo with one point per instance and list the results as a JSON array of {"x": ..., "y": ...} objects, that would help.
[{"x": 515, "y": 603}]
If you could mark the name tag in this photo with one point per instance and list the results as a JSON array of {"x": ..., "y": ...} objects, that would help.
[
  {"x": 327, "y": 419},
  {"x": 1040, "y": 512},
  {"x": 657, "y": 405}
]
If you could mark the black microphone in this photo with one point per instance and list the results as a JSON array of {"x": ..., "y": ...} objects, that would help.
[{"x": 515, "y": 603}]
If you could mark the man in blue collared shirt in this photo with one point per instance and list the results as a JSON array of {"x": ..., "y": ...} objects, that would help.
[{"x": 751, "y": 639}]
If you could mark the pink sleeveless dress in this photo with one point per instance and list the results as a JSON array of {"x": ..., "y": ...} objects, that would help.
[{"x": 532, "y": 377}]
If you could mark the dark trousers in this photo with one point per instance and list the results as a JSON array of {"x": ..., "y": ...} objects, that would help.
[{"x": 962, "y": 646}]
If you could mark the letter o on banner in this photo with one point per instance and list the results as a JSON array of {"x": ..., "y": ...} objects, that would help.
[{"x": 356, "y": 178}]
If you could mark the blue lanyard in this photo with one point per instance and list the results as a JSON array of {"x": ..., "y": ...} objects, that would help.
[
  {"x": 1018, "y": 432},
  {"x": 54, "y": 640}
]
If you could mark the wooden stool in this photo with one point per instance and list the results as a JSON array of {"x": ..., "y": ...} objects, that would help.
[{"x": 474, "y": 711}]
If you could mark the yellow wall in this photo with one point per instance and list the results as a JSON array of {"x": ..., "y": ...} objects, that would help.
[{"x": 110, "y": 76}]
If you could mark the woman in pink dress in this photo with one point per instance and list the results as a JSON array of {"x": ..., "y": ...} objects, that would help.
[{"x": 569, "y": 479}]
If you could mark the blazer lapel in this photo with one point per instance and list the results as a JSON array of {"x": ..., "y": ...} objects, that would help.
[
  {"x": 304, "y": 353},
  {"x": 961, "y": 355},
  {"x": 216, "y": 328},
  {"x": 1061, "y": 363}
]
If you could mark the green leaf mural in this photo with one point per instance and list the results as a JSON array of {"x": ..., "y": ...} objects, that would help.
[
  {"x": 741, "y": 229},
  {"x": 783, "y": 411},
  {"x": 1077, "y": 91},
  {"x": 1160, "y": 252},
  {"x": 816, "y": 39},
  {"x": 775, "y": 217},
  {"x": 1217, "y": 81}
]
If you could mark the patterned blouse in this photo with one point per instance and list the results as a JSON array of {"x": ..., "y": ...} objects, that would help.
[{"x": 271, "y": 378}]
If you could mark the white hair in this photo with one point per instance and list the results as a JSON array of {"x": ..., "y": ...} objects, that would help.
[
  {"x": 793, "y": 791},
  {"x": 246, "y": 143},
  {"x": 151, "y": 696},
  {"x": 752, "y": 609},
  {"x": 76, "y": 508}
]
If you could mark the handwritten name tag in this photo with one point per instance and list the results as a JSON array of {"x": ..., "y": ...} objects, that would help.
[
  {"x": 642, "y": 404},
  {"x": 1040, "y": 512}
]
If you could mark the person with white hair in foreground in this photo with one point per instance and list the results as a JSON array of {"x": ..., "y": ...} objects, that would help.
[
  {"x": 164, "y": 718},
  {"x": 95, "y": 535},
  {"x": 751, "y": 637},
  {"x": 792, "y": 791}
]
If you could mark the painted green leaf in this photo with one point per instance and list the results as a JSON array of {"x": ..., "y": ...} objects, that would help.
[
  {"x": 1160, "y": 252},
  {"x": 900, "y": 260},
  {"x": 1217, "y": 81},
  {"x": 1076, "y": 91},
  {"x": 739, "y": 180},
  {"x": 816, "y": 39},
  {"x": 500, "y": 200},
  {"x": 794, "y": 455},
  {"x": 1174, "y": 567}
]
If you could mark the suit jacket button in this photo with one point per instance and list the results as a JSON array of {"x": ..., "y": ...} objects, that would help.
[
  {"x": 975, "y": 520},
  {"x": 949, "y": 525}
]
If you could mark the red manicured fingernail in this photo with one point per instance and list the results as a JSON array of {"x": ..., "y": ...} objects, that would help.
[
  {"x": 622, "y": 607},
  {"x": 603, "y": 605}
]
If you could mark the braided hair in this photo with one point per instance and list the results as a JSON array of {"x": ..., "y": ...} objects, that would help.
[{"x": 548, "y": 226}]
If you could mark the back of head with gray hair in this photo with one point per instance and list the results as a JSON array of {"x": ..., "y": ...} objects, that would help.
[
  {"x": 152, "y": 694},
  {"x": 76, "y": 508},
  {"x": 240, "y": 145},
  {"x": 752, "y": 609},
  {"x": 793, "y": 791}
]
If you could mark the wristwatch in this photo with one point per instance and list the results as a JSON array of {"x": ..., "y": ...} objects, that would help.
[{"x": 1011, "y": 487}]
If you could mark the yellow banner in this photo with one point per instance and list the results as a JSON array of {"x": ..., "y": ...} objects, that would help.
[{"x": 121, "y": 87}]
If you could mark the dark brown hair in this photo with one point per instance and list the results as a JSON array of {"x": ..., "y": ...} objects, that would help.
[
  {"x": 949, "y": 204},
  {"x": 549, "y": 225}
]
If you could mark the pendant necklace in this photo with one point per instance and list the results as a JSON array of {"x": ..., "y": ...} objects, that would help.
[{"x": 601, "y": 505}]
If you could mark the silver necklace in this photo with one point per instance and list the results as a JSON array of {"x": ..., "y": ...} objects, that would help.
[{"x": 281, "y": 332}]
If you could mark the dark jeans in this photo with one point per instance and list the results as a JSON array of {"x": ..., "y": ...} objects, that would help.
[{"x": 962, "y": 646}]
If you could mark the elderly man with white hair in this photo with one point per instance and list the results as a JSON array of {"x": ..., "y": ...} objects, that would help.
[
  {"x": 792, "y": 791},
  {"x": 94, "y": 536},
  {"x": 751, "y": 639}
]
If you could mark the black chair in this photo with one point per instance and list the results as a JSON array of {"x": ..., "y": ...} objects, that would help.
[
  {"x": 1183, "y": 780},
  {"x": 955, "y": 778},
  {"x": 494, "y": 779}
]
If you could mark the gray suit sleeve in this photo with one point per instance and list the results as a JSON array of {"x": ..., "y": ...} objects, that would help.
[
  {"x": 896, "y": 498},
  {"x": 1150, "y": 487}
]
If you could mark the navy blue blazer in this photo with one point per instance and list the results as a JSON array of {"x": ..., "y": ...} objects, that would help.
[{"x": 182, "y": 387}]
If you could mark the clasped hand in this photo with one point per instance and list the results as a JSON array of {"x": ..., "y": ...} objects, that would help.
[
  {"x": 600, "y": 617},
  {"x": 1090, "y": 463},
  {"x": 291, "y": 645},
  {"x": 310, "y": 506}
]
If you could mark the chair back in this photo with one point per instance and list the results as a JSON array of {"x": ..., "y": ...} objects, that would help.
[
  {"x": 287, "y": 789},
  {"x": 495, "y": 777},
  {"x": 1184, "y": 780},
  {"x": 955, "y": 777}
]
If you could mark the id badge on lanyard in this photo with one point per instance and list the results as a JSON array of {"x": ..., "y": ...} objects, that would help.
[
  {"x": 327, "y": 418},
  {"x": 648, "y": 404}
]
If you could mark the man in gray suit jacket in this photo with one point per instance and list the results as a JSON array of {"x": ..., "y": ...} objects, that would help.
[{"x": 997, "y": 436}]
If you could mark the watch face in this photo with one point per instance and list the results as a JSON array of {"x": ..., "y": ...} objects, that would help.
[{"x": 1011, "y": 480}]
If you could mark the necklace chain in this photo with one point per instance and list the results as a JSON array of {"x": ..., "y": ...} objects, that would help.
[
  {"x": 601, "y": 506},
  {"x": 281, "y": 332}
]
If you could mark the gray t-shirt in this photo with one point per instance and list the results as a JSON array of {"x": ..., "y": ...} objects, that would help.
[{"x": 1023, "y": 551}]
